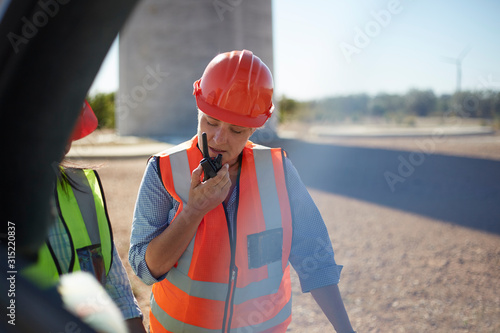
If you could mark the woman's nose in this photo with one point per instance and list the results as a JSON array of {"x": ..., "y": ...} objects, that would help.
[{"x": 220, "y": 136}]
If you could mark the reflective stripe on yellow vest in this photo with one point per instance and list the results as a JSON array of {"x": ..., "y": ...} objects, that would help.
[
  {"x": 82, "y": 211},
  {"x": 223, "y": 283}
]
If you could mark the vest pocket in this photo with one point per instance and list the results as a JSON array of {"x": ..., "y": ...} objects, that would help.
[
  {"x": 92, "y": 261},
  {"x": 265, "y": 247}
]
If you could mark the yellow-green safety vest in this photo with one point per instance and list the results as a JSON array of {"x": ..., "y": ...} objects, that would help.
[{"x": 82, "y": 211}]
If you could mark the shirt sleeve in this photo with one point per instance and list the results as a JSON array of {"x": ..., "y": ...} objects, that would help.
[
  {"x": 119, "y": 289},
  {"x": 154, "y": 209},
  {"x": 311, "y": 254}
]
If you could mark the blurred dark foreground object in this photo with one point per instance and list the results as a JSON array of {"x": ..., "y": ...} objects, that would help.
[{"x": 50, "y": 53}]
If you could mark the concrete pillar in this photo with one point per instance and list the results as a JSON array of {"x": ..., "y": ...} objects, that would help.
[{"x": 165, "y": 47}]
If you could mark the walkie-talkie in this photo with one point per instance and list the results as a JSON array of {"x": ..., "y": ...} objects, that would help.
[{"x": 210, "y": 165}]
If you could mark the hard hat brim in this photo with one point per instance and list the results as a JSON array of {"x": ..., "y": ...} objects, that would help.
[
  {"x": 231, "y": 117},
  {"x": 86, "y": 123}
]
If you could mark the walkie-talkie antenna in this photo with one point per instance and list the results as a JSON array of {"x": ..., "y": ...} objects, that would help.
[
  {"x": 205, "y": 145},
  {"x": 210, "y": 165}
]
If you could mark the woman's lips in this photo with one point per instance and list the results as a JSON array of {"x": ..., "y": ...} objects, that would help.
[{"x": 217, "y": 151}]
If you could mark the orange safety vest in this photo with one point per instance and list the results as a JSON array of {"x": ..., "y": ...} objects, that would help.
[{"x": 225, "y": 283}]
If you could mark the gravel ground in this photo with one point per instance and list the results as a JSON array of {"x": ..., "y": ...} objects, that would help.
[{"x": 402, "y": 272}]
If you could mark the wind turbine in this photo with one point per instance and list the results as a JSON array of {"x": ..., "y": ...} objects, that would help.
[{"x": 458, "y": 62}]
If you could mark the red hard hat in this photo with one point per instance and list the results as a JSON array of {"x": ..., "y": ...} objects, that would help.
[
  {"x": 86, "y": 123},
  {"x": 237, "y": 88}
]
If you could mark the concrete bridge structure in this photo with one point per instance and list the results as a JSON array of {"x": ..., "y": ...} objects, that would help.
[{"x": 164, "y": 48}]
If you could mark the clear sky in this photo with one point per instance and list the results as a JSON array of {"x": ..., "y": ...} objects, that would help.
[{"x": 336, "y": 47}]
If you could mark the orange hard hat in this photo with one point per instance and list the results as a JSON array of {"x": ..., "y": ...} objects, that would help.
[
  {"x": 237, "y": 88},
  {"x": 85, "y": 124}
]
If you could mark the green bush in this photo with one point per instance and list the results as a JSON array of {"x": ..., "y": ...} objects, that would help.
[
  {"x": 103, "y": 105},
  {"x": 288, "y": 109}
]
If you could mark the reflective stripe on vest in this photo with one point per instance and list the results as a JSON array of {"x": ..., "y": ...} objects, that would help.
[
  {"x": 175, "y": 325},
  {"x": 82, "y": 212},
  {"x": 262, "y": 296}
]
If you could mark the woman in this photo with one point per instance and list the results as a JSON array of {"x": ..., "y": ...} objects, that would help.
[
  {"x": 218, "y": 250},
  {"x": 81, "y": 239}
]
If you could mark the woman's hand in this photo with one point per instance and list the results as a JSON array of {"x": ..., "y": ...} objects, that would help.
[{"x": 205, "y": 196}]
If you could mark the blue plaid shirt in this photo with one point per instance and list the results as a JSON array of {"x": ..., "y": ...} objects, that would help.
[{"x": 311, "y": 254}]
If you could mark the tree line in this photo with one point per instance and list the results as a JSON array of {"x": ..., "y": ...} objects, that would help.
[
  {"x": 398, "y": 108},
  {"x": 393, "y": 108}
]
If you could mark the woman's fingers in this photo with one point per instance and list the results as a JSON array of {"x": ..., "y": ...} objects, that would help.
[
  {"x": 205, "y": 196},
  {"x": 196, "y": 176}
]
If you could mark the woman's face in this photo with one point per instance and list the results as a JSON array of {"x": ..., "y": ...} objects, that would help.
[{"x": 223, "y": 138}]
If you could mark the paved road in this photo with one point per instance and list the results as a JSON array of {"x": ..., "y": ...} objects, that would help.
[{"x": 464, "y": 191}]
